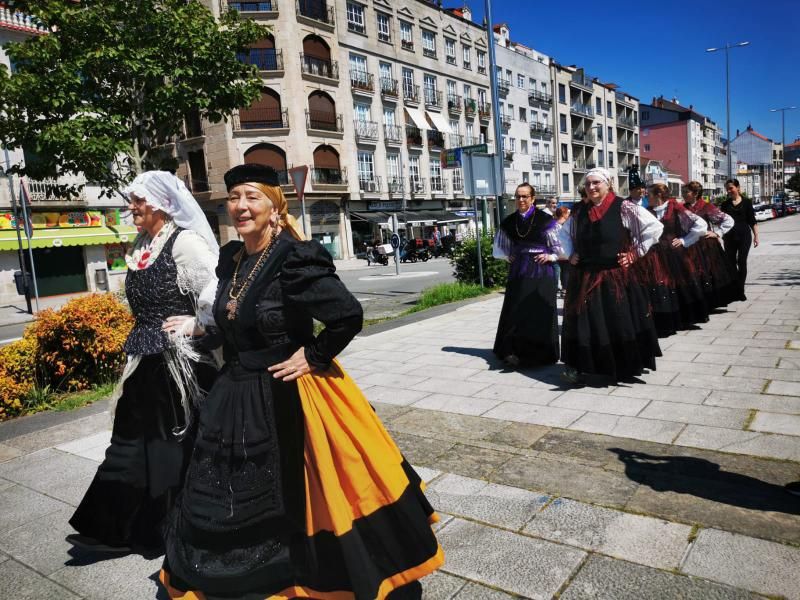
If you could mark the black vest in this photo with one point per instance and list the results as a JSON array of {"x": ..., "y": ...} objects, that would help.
[
  {"x": 153, "y": 295},
  {"x": 599, "y": 243}
]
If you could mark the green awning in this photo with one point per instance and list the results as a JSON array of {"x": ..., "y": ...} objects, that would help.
[{"x": 77, "y": 236}]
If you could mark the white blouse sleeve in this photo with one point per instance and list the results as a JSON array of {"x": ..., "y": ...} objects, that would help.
[
  {"x": 644, "y": 227},
  {"x": 196, "y": 264},
  {"x": 501, "y": 248},
  {"x": 565, "y": 239},
  {"x": 694, "y": 226}
]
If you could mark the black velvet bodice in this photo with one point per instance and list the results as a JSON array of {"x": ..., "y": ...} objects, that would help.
[
  {"x": 599, "y": 242},
  {"x": 154, "y": 295},
  {"x": 296, "y": 285}
]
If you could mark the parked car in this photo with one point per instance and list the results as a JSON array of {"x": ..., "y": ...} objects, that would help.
[{"x": 763, "y": 212}]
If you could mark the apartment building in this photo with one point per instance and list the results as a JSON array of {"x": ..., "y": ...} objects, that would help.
[
  {"x": 77, "y": 241},
  {"x": 596, "y": 125},
  {"x": 762, "y": 157},
  {"x": 525, "y": 104}
]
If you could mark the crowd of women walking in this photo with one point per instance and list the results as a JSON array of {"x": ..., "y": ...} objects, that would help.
[{"x": 631, "y": 274}]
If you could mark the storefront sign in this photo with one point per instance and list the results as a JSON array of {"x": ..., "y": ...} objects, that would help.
[
  {"x": 55, "y": 220},
  {"x": 115, "y": 258},
  {"x": 385, "y": 205}
]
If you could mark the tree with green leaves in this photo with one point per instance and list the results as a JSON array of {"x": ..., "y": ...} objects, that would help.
[
  {"x": 794, "y": 183},
  {"x": 112, "y": 81}
]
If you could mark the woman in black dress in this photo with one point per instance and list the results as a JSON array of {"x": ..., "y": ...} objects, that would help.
[
  {"x": 294, "y": 488},
  {"x": 170, "y": 265},
  {"x": 528, "y": 328},
  {"x": 738, "y": 240}
]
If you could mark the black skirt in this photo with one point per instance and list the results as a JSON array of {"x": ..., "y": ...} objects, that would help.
[
  {"x": 143, "y": 470},
  {"x": 721, "y": 282}
]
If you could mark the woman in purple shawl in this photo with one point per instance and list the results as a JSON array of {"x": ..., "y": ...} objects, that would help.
[{"x": 528, "y": 328}]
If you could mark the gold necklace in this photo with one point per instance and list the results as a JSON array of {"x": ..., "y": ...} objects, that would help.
[
  {"x": 530, "y": 226},
  {"x": 232, "y": 305}
]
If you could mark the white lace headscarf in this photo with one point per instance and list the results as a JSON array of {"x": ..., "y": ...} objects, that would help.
[
  {"x": 602, "y": 173},
  {"x": 165, "y": 192}
]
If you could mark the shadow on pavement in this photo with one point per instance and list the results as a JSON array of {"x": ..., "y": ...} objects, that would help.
[{"x": 704, "y": 479}]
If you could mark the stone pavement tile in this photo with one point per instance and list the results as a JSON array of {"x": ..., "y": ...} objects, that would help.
[
  {"x": 566, "y": 478},
  {"x": 733, "y": 338},
  {"x": 776, "y": 423},
  {"x": 691, "y": 367},
  {"x": 391, "y": 395},
  {"x": 444, "y": 519},
  {"x": 476, "y": 591},
  {"x": 766, "y": 373},
  {"x": 658, "y": 377},
  {"x": 97, "y": 454},
  {"x": 784, "y": 447},
  {"x": 5, "y": 484},
  {"x": 794, "y": 345},
  {"x": 462, "y": 405},
  {"x": 388, "y": 412},
  {"x": 748, "y": 325},
  {"x": 501, "y": 505},
  {"x": 775, "y": 352},
  {"x": 419, "y": 450},
  {"x": 59, "y": 434},
  {"x": 448, "y": 386},
  {"x": 89, "y": 442},
  {"x": 603, "y": 578},
  {"x": 727, "y": 359},
  {"x": 508, "y": 393},
  {"x": 440, "y": 586},
  {"x": 441, "y": 424},
  {"x": 63, "y": 475},
  {"x": 745, "y": 562},
  {"x": 531, "y": 413},
  {"x": 389, "y": 356},
  {"x": 732, "y": 418},
  {"x": 512, "y": 562},
  {"x": 505, "y": 377},
  {"x": 690, "y": 346},
  {"x": 425, "y": 473},
  {"x": 650, "y": 430},
  {"x": 785, "y": 404},
  {"x": 719, "y": 382},
  {"x": 783, "y": 388},
  {"x": 785, "y": 336},
  {"x": 18, "y": 582},
  {"x": 444, "y": 372},
  {"x": 377, "y": 366},
  {"x": 40, "y": 544},
  {"x": 643, "y": 540},
  {"x": 662, "y": 392},
  {"x": 712, "y": 438},
  {"x": 21, "y": 506},
  {"x": 129, "y": 576},
  {"x": 518, "y": 435},
  {"x": 396, "y": 380},
  {"x": 789, "y": 363},
  {"x": 9, "y": 452},
  {"x": 472, "y": 461},
  {"x": 678, "y": 356},
  {"x": 443, "y": 359},
  {"x": 755, "y": 343},
  {"x": 613, "y": 405}
]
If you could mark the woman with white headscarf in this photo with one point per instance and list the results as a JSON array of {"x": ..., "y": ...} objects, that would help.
[
  {"x": 170, "y": 272},
  {"x": 608, "y": 326}
]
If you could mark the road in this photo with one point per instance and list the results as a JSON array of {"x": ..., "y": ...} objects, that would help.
[{"x": 383, "y": 294}]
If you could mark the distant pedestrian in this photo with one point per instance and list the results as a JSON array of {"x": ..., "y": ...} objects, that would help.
[
  {"x": 550, "y": 207},
  {"x": 636, "y": 187},
  {"x": 608, "y": 328},
  {"x": 528, "y": 327},
  {"x": 738, "y": 240}
]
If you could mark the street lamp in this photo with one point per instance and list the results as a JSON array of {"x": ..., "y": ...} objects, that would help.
[
  {"x": 727, "y": 47},
  {"x": 783, "y": 135}
]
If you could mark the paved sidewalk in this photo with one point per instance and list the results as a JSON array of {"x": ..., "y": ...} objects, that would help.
[{"x": 668, "y": 488}]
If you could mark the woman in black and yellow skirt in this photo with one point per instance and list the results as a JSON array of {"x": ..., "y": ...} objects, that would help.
[{"x": 294, "y": 489}]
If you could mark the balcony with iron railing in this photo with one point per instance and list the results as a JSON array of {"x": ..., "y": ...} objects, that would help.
[
  {"x": 410, "y": 94},
  {"x": 429, "y": 52},
  {"x": 582, "y": 81},
  {"x": 266, "y": 60},
  {"x": 267, "y": 9},
  {"x": 407, "y": 44},
  {"x": 356, "y": 27},
  {"x": 413, "y": 135},
  {"x": 583, "y": 137},
  {"x": 439, "y": 185},
  {"x": 315, "y": 67},
  {"x": 435, "y": 138},
  {"x": 505, "y": 121},
  {"x": 481, "y": 70},
  {"x": 416, "y": 185},
  {"x": 366, "y": 131},
  {"x": 544, "y": 160},
  {"x": 626, "y": 122},
  {"x": 393, "y": 134},
  {"x": 545, "y": 190},
  {"x": 503, "y": 86},
  {"x": 455, "y": 104},
  {"x": 458, "y": 185},
  {"x": 624, "y": 146},
  {"x": 583, "y": 110},
  {"x": 320, "y": 120},
  {"x": 395, "y": 186},
  {"x": 540, "y": 129},
  {"x": 369, "y": 185},
  {"x": 484, "y": 110},
  {"x": 470, "y": 106},
  {"x": 262, "y": 119},
  {"x": 362, "y": 82},
  {"x": 433, "y": 98},
  {"x": 537, "y": 97},
  {"x": 315, "y": 13},
  {"x": 455, "y": 140},
  {"x": 581, "y": 164},
  {"x": 622, "y": 99},
  {"x": 11, "y": 18},
  {"x": 389, "y": 88},
  {"x": 328, "y": 176},
  {"x": 508, "y": 155}
]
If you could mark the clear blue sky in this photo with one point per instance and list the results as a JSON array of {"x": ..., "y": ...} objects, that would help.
[{"x": 654, "y": 48}]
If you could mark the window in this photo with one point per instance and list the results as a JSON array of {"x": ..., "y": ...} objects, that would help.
[
  {"x": 482, "y": 98},
  {"x": 393, "y": 168},
  {"x": 610, "y": 134},
  {"x": 599, "y": 133},
  {"x": 609, "y": 112},
  {"x": 450, "y": 51},
  {"x": 385, "y": 70},
  {"x": 546, "y": 149},
  {"x": 512, "y": 144},
  {"x": 523, "y": 114},
  {"x": 534, "y": 147},
  {"x": 406, "y": 35},
  {"x": 366, "y": 166},
  {"x": 544, "y": 87},
  {"x": 547, "y": 180},
  {"x": 362, "y": 112},
  {"x": 523, "y": 146},
  {"x": 525, "y": 177},
  {"x": 520, "y": 81},
  {"x": 384, "y": 27},
  {"x": 466, "y": 53},
  {"x": 562, "y": 93},
  {"x": 470, "y": 133},
  {"x": 389, "y": 117},
  {"x": 481, "y": 62},
  {"x": 534, "y": 116},
  {"x": 510, "y": 112},
  {"x": 413, "y": 172},
  {"x": 408, "y": 83},
  {"x": 636, "y": 139},
  {"x": 355, "y": 18},
  {"x": 565, "y": 183},
  {"x": 436, "y": 174},
  {"x": 610, "y": 160},
  {"x": 647, "y": 147},
  {"x": 532, "y": 84},
  {"x": 503, "y": 144},
  {"x": 645, "y": 115},
  {"x": 509, "y": 77},
  {"x": 600, "y": 159},
  {"x": 452, "y": 90},
  {"x": 358, "y": 67},
  {"x": 429, "y": 86},
  {"x": 467, "y": 91},
  {"x": 598, "y": 106},
  {"x": 564, "y": 153},
  {"x": 428, "y": 43},
  {"x": 562, "y": 123}
]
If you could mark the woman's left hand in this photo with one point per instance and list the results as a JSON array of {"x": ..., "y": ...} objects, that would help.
[
  {"x": 677, "y": 243},
  {"x": 542, "y": 258},
  {"x": 294, "y": 367}
]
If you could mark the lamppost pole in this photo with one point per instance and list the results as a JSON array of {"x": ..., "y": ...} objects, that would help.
[
  {"x": 726, "y": 48},
  {"x": 783, "y": 136}
]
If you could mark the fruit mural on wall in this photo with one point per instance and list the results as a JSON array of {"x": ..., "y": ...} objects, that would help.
[{"x": 57, "y": 220}]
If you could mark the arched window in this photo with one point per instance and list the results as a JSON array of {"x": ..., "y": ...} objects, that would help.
[
  {"x": 270, "y": 155},
  {"x": 321, "y": 111},
  {"x": 317, "y": 56},
  {"x": 262, "y": 54},
  {"x": 264, "y": 113},
  {"x": 326, "y": 166}
]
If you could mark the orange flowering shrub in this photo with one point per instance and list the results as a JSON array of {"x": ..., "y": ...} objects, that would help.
[
  {"x": 17, "y": 375},
  {"x": 81, "y": 343}
]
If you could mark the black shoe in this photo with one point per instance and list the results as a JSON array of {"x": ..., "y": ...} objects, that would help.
[
  {"x": 793, "y": 488},
  {"x": 84, "y": 542}
]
